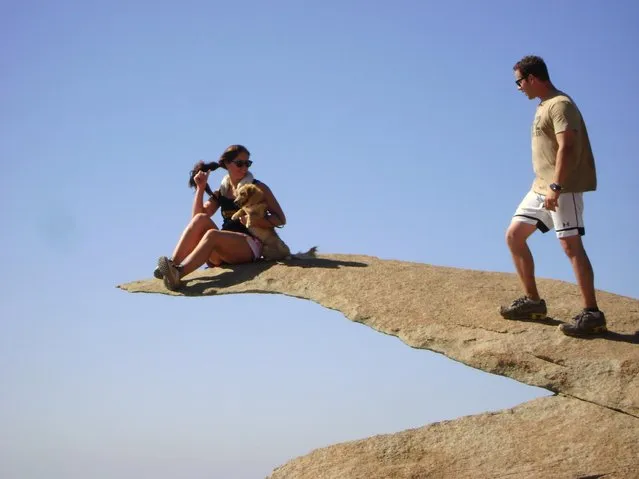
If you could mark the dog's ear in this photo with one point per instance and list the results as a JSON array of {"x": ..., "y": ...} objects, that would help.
[{"x": 256, "y": 193}]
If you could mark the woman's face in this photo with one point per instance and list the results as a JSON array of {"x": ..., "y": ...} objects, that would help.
[{"x": 239, "y": 166}]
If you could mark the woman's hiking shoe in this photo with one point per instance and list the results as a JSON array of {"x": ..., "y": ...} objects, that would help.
[
  {"x": 524, "y": 308},
  {"x": 157, "y": 273},
  {"x": 586, "y": 323},
  {"x": 170, "y": 273}
]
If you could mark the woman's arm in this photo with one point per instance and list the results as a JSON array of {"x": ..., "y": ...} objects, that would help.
[
  {"x": 211, "y": 205},
  {"x": 199, "y": 206},
  {"x": 275, "y": 215}
]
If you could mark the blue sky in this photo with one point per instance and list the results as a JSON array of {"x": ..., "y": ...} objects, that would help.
[{"x": 393, "y": 130}]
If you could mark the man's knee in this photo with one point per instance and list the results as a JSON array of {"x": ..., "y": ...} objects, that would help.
[
  {"x": 572, "y": 246},
  {"x": 517, "y": 234}
]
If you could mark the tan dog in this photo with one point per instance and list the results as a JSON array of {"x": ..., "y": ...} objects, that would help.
[{"x": 251, "y": 201}]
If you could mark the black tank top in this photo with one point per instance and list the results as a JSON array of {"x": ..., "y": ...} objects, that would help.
[{"x": 228, "y": 208}]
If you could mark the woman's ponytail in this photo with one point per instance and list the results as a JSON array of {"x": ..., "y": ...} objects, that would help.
[{"x": 201, "y": 166}]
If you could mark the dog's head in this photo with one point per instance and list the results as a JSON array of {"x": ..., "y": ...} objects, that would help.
[{"x": 248, "y": 195}]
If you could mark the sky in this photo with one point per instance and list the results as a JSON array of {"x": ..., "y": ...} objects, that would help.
[{"x": 389, "y": 129}]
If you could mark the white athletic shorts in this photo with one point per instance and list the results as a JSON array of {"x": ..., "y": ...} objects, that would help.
[{"x": 567, "y": 220}]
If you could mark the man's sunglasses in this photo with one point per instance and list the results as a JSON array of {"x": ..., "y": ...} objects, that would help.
[
  {"x": 241, "y": 163},
  {"x": 519, "y": 80}
]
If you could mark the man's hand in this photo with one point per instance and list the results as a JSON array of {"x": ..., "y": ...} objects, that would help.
[
  {"x": 200, "y": 179},
  {"x": 552, "y": 200}
]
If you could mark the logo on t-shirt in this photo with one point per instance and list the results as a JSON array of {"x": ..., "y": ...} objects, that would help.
[{"x": 536, "y": 129}]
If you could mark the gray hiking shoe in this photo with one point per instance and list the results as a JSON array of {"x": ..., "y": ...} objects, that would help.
[
  {"x": 157, "y": 273},
  {"x": 586, "y": 323},
  {"x": 524, "y": 308},
  {"x": 170, "y": 274}
]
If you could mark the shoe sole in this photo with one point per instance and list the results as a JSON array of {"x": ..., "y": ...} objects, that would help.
[
  {"x": 165, "y": 268},
  {"x": 530, "y": 316},
  {"x": 582, "y": 334}
]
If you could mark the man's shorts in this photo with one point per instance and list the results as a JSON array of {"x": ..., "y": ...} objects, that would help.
[{"x": 567, "y": 220}]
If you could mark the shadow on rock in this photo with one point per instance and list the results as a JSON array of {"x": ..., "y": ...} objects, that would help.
[
  {"x": 239, "y": 273},
  {"x": 231, "y": 275},
  {"x": 322, "y": 263},
  {"x": 612, "y": 336},
  {"x": 548, "y": 321}
]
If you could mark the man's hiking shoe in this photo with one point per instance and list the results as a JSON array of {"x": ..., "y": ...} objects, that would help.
[
  {"x": 586, "y": 323},
  {"x": 170, "y": 274},
  {"x": 524, "y": 308}
]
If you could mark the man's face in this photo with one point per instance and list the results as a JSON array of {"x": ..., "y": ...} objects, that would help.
[{"x": 525, "y": 84}]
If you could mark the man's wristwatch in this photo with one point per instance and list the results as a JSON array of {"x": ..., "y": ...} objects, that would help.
[{"x": 555, "y": 187}]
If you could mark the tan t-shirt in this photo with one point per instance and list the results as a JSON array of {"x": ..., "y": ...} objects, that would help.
[{"x": 554, "y": 115}]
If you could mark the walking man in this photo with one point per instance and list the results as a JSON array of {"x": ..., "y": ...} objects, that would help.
[{"x": 564, "y": 169}]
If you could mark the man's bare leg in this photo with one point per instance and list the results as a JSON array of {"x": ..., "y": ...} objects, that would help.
[
  {"x": 516, "y": 237},
  {"x": 585, "y": 276}
]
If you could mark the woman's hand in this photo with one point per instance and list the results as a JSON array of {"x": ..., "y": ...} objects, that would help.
[{"x": 200, "y": 179}]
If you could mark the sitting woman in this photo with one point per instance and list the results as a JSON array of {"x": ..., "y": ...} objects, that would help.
[{"x": 202, "y": 241}]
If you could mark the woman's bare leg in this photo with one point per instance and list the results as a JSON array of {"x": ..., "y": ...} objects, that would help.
[
  {"x": 234, "y": 248},
  {"x": 193, "y": 233},
  {"x": 228, "y": 246}
]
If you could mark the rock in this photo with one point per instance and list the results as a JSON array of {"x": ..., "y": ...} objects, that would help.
[
  {"x": 553, "y": 437},
  {"x": 590, "y": 428}
]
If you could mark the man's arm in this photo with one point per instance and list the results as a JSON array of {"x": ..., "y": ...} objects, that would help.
[
  {"x": 565, "y": 118},
  {"x": 565, "y": 143}
]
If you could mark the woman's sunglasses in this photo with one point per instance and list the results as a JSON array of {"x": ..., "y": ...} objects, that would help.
[{"x": 241, "y": 163}]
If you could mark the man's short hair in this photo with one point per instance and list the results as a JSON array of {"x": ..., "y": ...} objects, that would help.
[{"x": 533, "y": 65}]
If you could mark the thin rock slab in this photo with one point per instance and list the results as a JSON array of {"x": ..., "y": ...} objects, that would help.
[
  {"x": 454, "y": 312},
  {"x": 590, "y": 429}
]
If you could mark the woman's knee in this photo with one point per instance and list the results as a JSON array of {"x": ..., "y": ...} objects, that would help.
[
  {"x": 210, "y": 236},
  {"x": 201, "y": 222},
  {"x": 201, "y": 218}
]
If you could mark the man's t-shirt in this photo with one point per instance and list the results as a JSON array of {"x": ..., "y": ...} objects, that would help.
[{"x": 555, "y": 115}]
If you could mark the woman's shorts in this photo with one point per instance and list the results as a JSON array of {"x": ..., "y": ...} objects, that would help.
[{"x": 256, "y": 246}]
